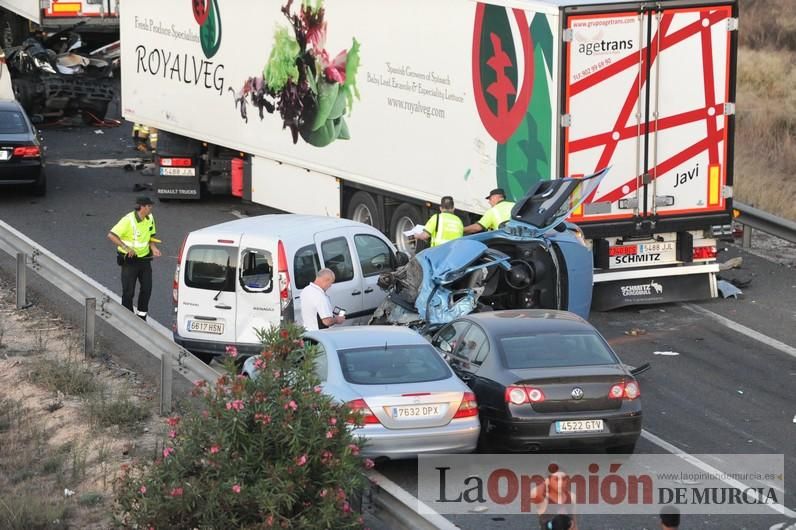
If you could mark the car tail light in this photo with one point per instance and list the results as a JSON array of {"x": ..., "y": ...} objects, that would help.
[
  {"x": 27, "y": 151},
  {"x": 176, "y": 162},
  {"x": 359, "y": 406},
  {"x": 284, "y": 278},
  {"x": 708, "y": 252},
  {"x": 175, "y": 287},
  {"x": 629, "y": 390},
  {"x": 468, "y": 408},
  {"x": 523, "y": 394}
]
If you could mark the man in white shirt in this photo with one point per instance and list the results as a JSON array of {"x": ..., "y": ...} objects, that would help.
[{"x": 316, "y": 308}]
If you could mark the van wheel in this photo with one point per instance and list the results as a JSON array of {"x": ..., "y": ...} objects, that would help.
[
  {"x": 206, "y": 358},
  {"x": 362, "y": 208},
  {"x": 405, "y": 217}
]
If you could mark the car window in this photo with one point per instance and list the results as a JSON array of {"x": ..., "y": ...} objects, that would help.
[
  {"x": 211, "y": 267},
  {"x": 305, "y": 265},
  {"x": 375, "y": 256},
  {"x": 392, "y": 365},
  {"x": 546, "y": 350},
  {"x": 13, "y": 122},
  {"x": 256, "y": 270},
  {"x": 450, "y": 335},
  {"x": 474, "y": 346},
  {"x": 337, "y": 257}
]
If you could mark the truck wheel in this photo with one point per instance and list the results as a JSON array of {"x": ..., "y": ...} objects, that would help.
[
  {"x": 405, "y": 217},
  {"x": 11, "y": 30},
  {"x": 362, "y": 208}
]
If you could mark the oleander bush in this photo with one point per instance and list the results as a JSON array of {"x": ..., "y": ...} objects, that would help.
[{"x": 272, "y": 451}]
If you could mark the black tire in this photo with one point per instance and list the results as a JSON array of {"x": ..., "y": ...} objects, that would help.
[
  {"x": 363, "y": 208},
  {"x": 405, "y": 217},
  {"x": 39, "y": 188},
  {"x": 12, "y": 30}
]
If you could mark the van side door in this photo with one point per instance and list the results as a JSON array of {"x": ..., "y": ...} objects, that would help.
[
  {"x": 256, "y": 294},
  {"x": 337, "y": 253},
  {"x": 374, "y": 256}
]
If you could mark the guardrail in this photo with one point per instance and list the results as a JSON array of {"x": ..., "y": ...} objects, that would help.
[
  {"x": 393, "y": 502},
  {"x": 754, "y": 218}
]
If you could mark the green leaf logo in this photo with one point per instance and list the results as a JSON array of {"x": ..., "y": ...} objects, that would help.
[{"x": 210, "y": 29}]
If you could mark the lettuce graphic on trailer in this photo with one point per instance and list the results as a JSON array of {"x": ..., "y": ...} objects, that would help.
[
  {"x": 207, "y": 16},
  {"x": 311, "y": 91}
]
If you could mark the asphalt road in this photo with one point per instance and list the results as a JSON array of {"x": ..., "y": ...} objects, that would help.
[{"x": 725, "y": 393}]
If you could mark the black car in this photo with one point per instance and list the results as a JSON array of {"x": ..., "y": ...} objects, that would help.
[
  {"x": 21, "y": 152},
  {"x": 543, "y": 379}
]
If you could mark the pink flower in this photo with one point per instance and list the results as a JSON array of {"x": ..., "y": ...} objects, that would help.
[
  {"x": 323, "y": 493},
  {"x": 301, "y": 460},
  {"x": 329, "y": 435},
  {"x": 172, "y": 434},
  {"x": 354, "y": 449},
  {"x": 232, "y": 351},
  {"x": 177, "y": 492},
  {"x": 368, "y": 463},
  {"x": 237, "y": 405},
  {"x": 346, "y": 507},
  {"x": 332, "y": 421},
  {"x": 167, "y": 451},
  {"x": 292, "y": 405},
  {"x": 317, "y": 389},
  {"x": 265, "y": 419},
  {"x": 236, "y": 488},
  {"x": 173, "y": 421},
  {"x": 259, "y": 363},
  {"x": 284, "y": 333},
  {"x": 214, "y": 449},
  {"x": 326, "y": 457},
  {"x": 205, "y": 414},
  {"x": 142, "y": 490},
  {"x": 200, "y": 383}
]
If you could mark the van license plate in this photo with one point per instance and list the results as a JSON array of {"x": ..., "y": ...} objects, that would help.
[
  {"x": 5, "y": 155},
  {"x": 178, "y": 171},
  {"x": 579, "y": 426},
  {"x": 202, "y": 326}
]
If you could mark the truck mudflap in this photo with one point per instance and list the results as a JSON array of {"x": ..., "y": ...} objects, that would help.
[
  {"x": 654, "y": 286},
  {"x": 178, "y": 187}
]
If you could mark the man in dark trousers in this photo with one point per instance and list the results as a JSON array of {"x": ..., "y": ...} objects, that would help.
[{"x": 134, "y": 238}]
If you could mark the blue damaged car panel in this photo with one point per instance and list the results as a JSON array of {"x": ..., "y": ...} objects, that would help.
[{"x": 535, "y": 260}]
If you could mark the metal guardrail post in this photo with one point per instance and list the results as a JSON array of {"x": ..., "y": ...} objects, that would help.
[
  {"x": 22, "y": 281},
  {"x": 746, "y": 238},
  {"x": 89, "y": 327},
  {"x": 166, "y": 380}
]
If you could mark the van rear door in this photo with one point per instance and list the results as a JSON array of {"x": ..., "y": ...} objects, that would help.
[
  {"x": 206, "y": 307},
  {"x": 256, "y": 293}
]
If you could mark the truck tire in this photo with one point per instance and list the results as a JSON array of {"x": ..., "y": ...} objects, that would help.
[
  {"x": 12, "y": 30},
  {"x": 405, "y": 217},
  {"x": 362, "y": 207}
]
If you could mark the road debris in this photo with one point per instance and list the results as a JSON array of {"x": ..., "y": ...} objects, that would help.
[
  {"x": 732, "y": 263},
  {"x": 667, "y": 353},
  {"x": 68, "y": 492},
  {"x": 728, "y": 290},
  {"x": 635, "y": 332},
  {"x": 740, "y": 392}
]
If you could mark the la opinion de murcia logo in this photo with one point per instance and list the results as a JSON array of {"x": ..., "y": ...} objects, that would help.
[{"x": 644, "y": 289}]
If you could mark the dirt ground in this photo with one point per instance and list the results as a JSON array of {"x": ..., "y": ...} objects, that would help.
[{"x": 57, "y": 466}]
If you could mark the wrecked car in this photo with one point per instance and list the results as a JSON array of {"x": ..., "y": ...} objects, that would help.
[
  {"x": 53, "y": 77},
  {"x": 535, "y": 260}
]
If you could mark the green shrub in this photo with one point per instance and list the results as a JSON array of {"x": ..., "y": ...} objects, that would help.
[
  {"x": 73, "y": 378},
  {"x": 105, "y": 409},
  {"x": 268, "y": 452}
]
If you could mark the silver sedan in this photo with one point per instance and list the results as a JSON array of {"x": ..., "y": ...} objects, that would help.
[{"x": 409, "y": 398}]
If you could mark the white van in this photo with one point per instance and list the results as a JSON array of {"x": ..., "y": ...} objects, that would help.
[{"x": 237, "y": 277}]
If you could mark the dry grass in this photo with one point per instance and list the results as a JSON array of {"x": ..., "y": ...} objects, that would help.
[{"x": 765, "y": 140}]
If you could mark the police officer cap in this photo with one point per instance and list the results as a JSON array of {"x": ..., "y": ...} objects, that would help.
[
  {"x": 496, "y": 191},
  {"x": 143, "y": 200}
]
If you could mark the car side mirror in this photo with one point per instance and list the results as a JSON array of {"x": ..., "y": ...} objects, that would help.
[
  {"x": 445, "y": 346},
  {"x": 401, "y": 259}
]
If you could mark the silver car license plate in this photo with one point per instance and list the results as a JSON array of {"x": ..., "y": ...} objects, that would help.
[
  {"x": 579, "y": 426},
  {"x": 415, "y": 411},
  {"x": 203, "y": 326}
]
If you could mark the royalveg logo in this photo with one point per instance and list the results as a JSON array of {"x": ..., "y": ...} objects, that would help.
[{"x": 206, "y": 14}]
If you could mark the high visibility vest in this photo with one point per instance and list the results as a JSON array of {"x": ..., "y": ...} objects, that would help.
[
  {"x": 134, "y": 233},
  {"x": 444, "y": 227},
  {"x": 496, "y": 215}
]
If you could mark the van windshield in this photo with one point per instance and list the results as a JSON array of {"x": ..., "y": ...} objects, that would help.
[{"x": 211, "y": 267}]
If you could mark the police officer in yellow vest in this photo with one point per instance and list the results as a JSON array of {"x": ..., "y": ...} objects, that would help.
[
  {"x": 499, "y": 213},
  {"x": 133, "y": 236},
  {"x": 444, "y": 226}
]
